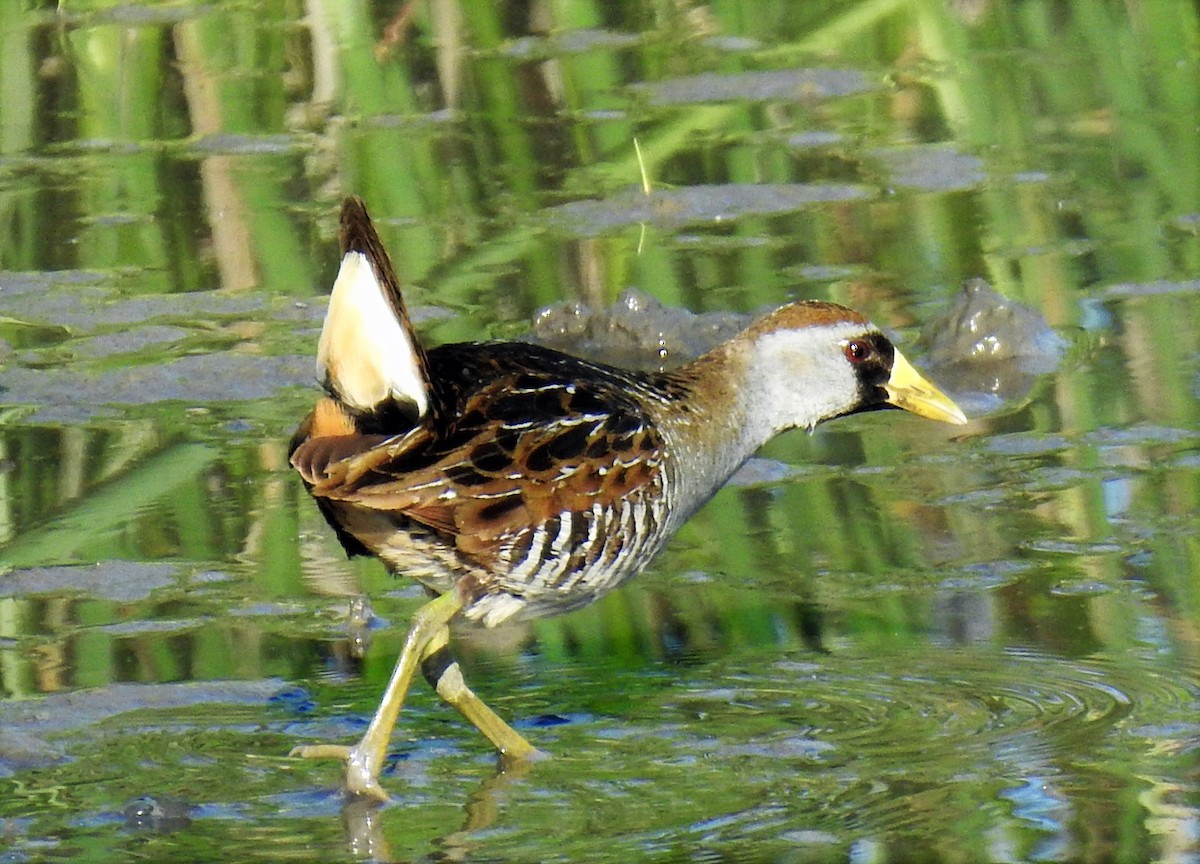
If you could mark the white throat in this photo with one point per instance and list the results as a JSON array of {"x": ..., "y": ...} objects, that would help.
[{"x": 797, "y": 378}]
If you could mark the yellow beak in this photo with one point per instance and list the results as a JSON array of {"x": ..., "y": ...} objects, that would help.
[{"x": 908, "y": 390}]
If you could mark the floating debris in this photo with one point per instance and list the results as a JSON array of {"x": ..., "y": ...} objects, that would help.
[
  {"x": 692, "y": 205},
  {"x": 776, "y": 85}
]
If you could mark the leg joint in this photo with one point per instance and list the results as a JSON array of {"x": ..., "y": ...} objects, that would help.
[{"x": 435, "y": 664}]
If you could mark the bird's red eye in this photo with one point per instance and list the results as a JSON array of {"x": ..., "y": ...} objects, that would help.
[{"x": 857, "y": 350}]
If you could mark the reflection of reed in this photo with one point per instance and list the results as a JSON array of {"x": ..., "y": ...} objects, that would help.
[
  {"x": 7, "y": 504},
  {"x": 73, "y": 535},
  {"x": 52, "y": 665},
  {"x": 102, "y": 176},
  {"x": 231, "y": 235}
]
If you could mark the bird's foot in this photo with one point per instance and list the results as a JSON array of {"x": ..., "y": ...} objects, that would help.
[
  {"x": 519, "y": 759},
  {"x": 362, "y": 775}
]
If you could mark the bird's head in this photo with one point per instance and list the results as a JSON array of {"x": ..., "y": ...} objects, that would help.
[{"x": 813, "y": 361}]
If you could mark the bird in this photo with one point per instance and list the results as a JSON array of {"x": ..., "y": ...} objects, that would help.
[{"x": 514, "y": 481}]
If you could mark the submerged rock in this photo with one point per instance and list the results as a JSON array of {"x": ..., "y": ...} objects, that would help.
[
  {"x": 636, "y": 332},
  {"x": 988, "y": 349},
  {"x": 159, "y": 814}
]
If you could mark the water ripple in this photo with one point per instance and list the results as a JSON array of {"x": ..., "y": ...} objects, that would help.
[{"x": 892, "y": 741}]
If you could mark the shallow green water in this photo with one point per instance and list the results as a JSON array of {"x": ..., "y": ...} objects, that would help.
[{"x": 892, "y": 641}]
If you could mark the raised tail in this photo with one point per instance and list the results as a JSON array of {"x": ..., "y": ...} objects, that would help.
[{"x": 368, "y": 357}]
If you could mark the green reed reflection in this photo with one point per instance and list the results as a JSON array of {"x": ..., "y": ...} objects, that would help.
[{"x": 983, "y": 647}]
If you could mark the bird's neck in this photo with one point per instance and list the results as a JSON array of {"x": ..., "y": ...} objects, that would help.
[{"x": 716, "y": 422}]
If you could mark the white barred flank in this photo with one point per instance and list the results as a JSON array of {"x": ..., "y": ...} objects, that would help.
[
  {"x": 560, "y": 561},
  {"x": 533, "y": 556}
]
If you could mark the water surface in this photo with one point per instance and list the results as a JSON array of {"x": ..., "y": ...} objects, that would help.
[{"x": 886, "y": 641}]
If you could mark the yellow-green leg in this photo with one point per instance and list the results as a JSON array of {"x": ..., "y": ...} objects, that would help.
[
  {"x": 427, "y": 645},
  {"x": 441, "y": 670},
  {"x": 365, "y": 759}
]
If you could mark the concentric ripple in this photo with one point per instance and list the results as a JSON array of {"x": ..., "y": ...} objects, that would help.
[{"x": 890, "y": 739}]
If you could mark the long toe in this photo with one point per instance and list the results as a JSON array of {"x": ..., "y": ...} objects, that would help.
[
  {"x": 321, "y": 751},
  {"x": 361, "y": 779}
]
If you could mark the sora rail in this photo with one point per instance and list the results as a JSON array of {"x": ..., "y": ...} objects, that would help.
[{"x": 515, "y": 481}]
